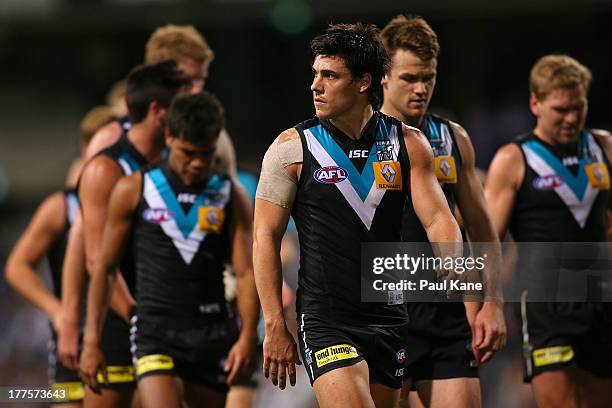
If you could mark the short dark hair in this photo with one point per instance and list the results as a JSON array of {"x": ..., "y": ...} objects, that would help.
[
  {"x": 360, "y": 47},
  {"x": 196, "y": 118},
  {"x": 153, "y": 82},
  {"x": 411, "y": 33}
]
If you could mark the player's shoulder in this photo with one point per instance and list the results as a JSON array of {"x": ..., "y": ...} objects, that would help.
[
  {"x": 601, "y": 133},
  {"x": 603, "y": 136},
  {"x": 414, "y": 136},
  {"x": 52, "y": 210},
  {"x": 100, "y": 166},
  {"x": 106, "y": 136},
  {"x": 287, "y": 135},
  {"x": 458, "y": 131},
  {"x": 508, "y": 152},
  {"x": 508, "y": 163},
  {"x": 129, "y": 188}
]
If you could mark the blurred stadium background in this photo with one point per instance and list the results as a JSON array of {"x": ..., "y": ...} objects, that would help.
[{"x": 58, "y": 58}]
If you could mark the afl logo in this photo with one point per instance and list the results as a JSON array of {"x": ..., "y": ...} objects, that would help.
[
  {"x": 329, "y": 175},
  {"x": 400, "y": 356},
  {"x": 157, "y": 215},
  {"x": 546, "y": 183}
]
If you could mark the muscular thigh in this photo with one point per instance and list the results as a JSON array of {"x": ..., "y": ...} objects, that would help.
[
  {"x": 455, "y": 392},
  {"x": 160, "y": 390},
  {"x": 344, "y": 387}
]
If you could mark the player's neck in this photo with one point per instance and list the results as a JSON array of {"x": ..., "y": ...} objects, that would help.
[
  {"x": 147, "y": 140},
  {"x": 353, "y": 122},
  {"x": 388, "y": 109}
]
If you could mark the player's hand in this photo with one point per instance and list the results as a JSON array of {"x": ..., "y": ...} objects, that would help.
[
  {"x": 488, "y": 331},
  {"x": 241, "y": 358},
  {"x": 280, "y": 355},
  {"x": 67, "y": 339},
  {"x": 92, "y": 362}
]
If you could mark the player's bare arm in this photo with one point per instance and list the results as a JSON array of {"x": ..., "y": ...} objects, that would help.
[
  {"x": 241, "y": 355},
  {"x": 604, "y": 138},
  {"x": 272, "y": 210},
  {"x": 73, "y": 273},
  {"x": 123, "y": 202},
  {"x": 46, "y": 226},
  {"x": 104, "y": 137},
  {"x": 487, "y": 319},
  {"x": 98, "y": 180},
  {"x": 504, "y": 179},
  {"x": 428, "y": 200}
]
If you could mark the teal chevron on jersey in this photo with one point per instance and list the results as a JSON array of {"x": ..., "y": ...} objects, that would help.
[
  {"x": 133, "y": 165},
  {"x": 361, "y": 181},
  {"x": 185, "y": 222},
  {"x": 577, "y": 183}
]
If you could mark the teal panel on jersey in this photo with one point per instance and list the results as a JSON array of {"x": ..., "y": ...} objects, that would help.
[
  {"x": 578, "y": 183},
  {"x": 185, "y": 222},
  {"x": 361, "y": 182},
  {"x": 130, "y": 161}
]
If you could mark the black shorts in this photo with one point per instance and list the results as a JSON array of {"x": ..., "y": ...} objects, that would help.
[
  {"x": 192, "y": 349},
  {"x": 440, "y": 338},
  {"x": 326, "y": 345},
  {"x": 61, "y": 377},
  {"x": 115, "y": 346},
  {"x": 556, "y": 335}
]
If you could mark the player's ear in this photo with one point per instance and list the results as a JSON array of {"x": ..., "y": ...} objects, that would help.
[
  {"x": 168, "y": 137},
  {"x": 534, "y": 104},
  {"x": 384, "y": 81},
  {"x": 365, "y": 82}
]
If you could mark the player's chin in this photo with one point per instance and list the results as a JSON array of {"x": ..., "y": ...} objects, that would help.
[
  {"x": 567, "y": 136},
  {"x": 413, "y": 112},
  {"x": 322, "y": 113}
]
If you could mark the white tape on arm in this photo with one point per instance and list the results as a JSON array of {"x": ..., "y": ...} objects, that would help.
[{"x": 275, "y": 183}]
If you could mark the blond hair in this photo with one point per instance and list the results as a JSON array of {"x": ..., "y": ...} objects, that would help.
[
  {"x": 553, "y": 72},
  {"x": 173, "y": 42},
  {"x": 96, "y": 118},
  {"x": 115, "y": 98}
]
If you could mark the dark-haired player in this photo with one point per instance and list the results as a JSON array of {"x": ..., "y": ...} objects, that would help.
[
  {"x": 344, "y": 176},
  {"x": 150, "y": 89},
  {"x": 185, "y": 221}
]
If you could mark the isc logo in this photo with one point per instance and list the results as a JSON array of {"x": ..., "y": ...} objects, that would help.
[
  {"x": 332, "y": 174},
  {"x": 357, "y": 154},
  {"x": 548, "y": 182},
  {"x": 157, "y": 215}
]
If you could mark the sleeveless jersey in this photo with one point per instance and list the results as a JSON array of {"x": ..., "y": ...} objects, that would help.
[
  {"x": 447, "y": 163},
  {"x": 349, "y": 192},
  {"x": 182, "y": 241},
  {"x": 564, "y": 194},
  {"x": 129, "y": 160},
  {"x": 56, "y": 253}
]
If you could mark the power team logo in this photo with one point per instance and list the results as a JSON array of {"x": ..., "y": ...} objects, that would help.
[
  {"x": 384, "y": 150},
  {"x": 330, "y": 175},
  {"x": 549, "y": 182},
  {"x": 210, "y": 219},
  {"x": 308, "y": 356},
  {"x": 598, "y": 176},
  {"x": 335, "y": 353},
  {"x": 157, "y": 215},
  {"x": 388, "y": 175}
]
